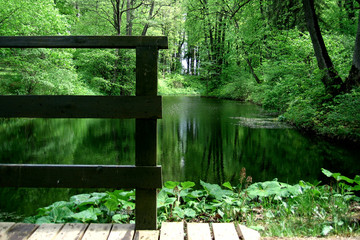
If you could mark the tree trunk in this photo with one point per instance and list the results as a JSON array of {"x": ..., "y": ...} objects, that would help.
[
  {"x": 129, "y": 17},
  {"x": 146, "y": 27},
  {"x": 354, "y": 76},
  {"x": 331, "y": 80}
]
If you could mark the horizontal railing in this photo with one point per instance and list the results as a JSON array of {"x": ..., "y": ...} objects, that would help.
[
  {"x": 40, "y": 106},
  {"x": 79, "y": 176},
  {"x": 146, "y": 107},
  {"x": 82, "y": 42}
]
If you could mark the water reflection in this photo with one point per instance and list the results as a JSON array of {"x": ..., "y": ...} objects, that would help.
[{"x": 199, "y": 138}]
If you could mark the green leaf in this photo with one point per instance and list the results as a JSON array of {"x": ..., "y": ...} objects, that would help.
[
  {"x": 326, "y": 172},
  {"x": 58, "y": 214},
  {"x": 189, "y": 212},
  {"x": 196, "y": 194},
  {"x": 228, "y": 185},
  {"x": 119, "y": 218},
  {"x": 164, "y": 200},
  {"x": 80, "y": 199},
  {"x": 87, "y": 215},
  {"x": 346, "y": 179},
  {"x": 45, "y": 219},
  {"x": 112, "y": 204},
  {"x": 186, "y": 185},
  {"x": 215, "y": 190},
  {"x": 127, "y": 204},
  {"x": 178, "y": 212},
  {"x": 171, "y": 184}
]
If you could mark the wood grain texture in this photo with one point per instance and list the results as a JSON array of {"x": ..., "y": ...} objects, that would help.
[
  {"x": 97, "y": 231},
  {"x": 5, "y": 226},
  {"x": 79, "y": 176},
  {"x": 40, "y": 106},
  {"x": 46, "y": 231},
  {"x": 247, "y": 233},
  {"x": 146, "y": 136},
  {"x": 198, "y": 231},
  {"x": 83, "y": 42},
  {"x": 224, "y": 231},
  {"x": 146, "y": 235},
  {"x": 172, "y": 231},
  {"x": 72, "y": 231},
  {"x": 19, "y": 231},
  {"x": 122, "y": 232}
]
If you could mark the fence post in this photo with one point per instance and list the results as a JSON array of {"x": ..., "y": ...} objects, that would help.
[{"x": 146, "y": 136}]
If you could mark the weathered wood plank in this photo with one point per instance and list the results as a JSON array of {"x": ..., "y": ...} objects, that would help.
[
  {"x": 19, "y": 231},
  {"x": 79, "y": 176},
  {"x": 97, "y": 232},
  {"x": 146, "y": 71},
  {"x": 122, "y": 232},
  {"x": 4, "y": 226},
  {"x": 146, "y": 235},
  {"x": 146, "y": 136},
  {"x": 46, "y": 231},
  {"x": 198, "y": 231},
  {"x": 247, "y": 233},
  {"x": 172, "y": 231},
  {"x": 40, "y": 106},
  {"x": 72, "y": 231},
  {"x": 224, "y": 231},
  {"x": 82, "y": 42}
]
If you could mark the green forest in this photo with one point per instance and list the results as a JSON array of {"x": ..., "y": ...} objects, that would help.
[{"x": 299, "y": 59}]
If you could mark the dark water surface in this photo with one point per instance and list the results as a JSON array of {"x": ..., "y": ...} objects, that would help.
[{"x": 199, "y": 138}]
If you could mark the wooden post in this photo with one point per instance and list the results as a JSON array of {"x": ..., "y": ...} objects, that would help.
[{"x": 146, "y": 136}]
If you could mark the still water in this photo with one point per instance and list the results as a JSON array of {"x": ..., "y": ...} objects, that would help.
[{"x": 198, "y": 138}]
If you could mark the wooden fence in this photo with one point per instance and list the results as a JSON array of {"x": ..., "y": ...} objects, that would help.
[{"x": 145, "y": 107}]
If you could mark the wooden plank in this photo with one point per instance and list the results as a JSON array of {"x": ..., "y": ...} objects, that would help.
[
  {"x": 19, "y": 231},
  {"x": 247, "y": 233},
  {"x": 41, "y": 106},
  {"x": 224, "y": 231},
  {"x": 122, "y": 232},
  {"x": 97, "y": 232},
  {"x": 46, "y": 231},
  {"x": 82, "y": 42},
  {"x": 146, "y": 235},
  {"x": 4, "y": 226},
  {"x": 146, "y": 136},
  {"x": 72, "y": 231},
  {"x": 172, "y": 231},
  {"x": 198, "y": 231},
  {"x": 79, "y": 176},
  {"x": 146, "y": 71}
]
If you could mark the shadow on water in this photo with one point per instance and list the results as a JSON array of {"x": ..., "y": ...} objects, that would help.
[{"x": 199, "y": 138}]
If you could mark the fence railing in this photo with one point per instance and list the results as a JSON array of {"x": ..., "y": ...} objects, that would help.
[{"x": 145, "y": 107}]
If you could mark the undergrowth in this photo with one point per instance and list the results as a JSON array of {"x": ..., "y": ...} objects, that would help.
[{"x": 271, "y": 207}]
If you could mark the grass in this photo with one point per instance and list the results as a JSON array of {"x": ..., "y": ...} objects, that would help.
[{"x": 271, "y": 207}]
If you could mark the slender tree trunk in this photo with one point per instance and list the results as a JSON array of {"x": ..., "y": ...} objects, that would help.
[
  {"x": 331, "y": 80},
  {"x": 354, "y": 76},
  {"x": 247, "y": 59},
  {"x": 146, "y": 27},
  {"x": 129, "y": 17}
]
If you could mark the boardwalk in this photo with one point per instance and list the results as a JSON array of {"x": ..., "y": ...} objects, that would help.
[{"x": 168, "y": 231}]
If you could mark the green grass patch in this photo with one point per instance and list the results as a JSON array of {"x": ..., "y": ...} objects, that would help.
[
  {"x": 177, "y": 84},
  {"x": 271, "y": 207}
]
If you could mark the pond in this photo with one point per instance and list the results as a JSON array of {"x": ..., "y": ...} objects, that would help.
[{"x": 198, "y": 138}]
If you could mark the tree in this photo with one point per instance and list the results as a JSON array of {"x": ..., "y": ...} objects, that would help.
[{"x": 333, "y": 83}]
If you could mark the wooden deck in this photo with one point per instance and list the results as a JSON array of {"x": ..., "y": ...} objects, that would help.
[{"x": 168, "y": 231}]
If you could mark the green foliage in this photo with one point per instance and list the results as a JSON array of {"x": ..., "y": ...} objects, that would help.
[
  {"x": 238, "y": 86},
  {"x": 345, "y": 184},
  {"x": 272, "y": 207},
  {"x": 177, "y": 84}
]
